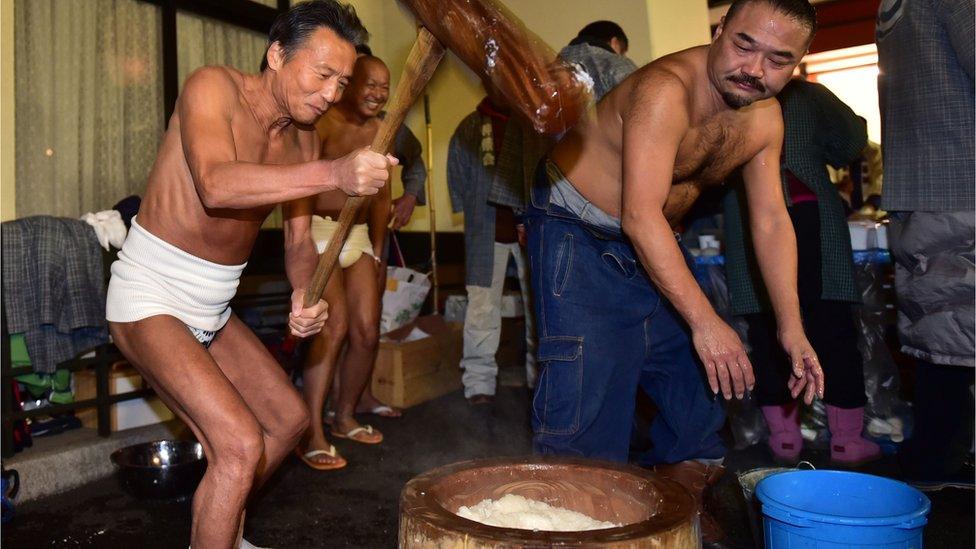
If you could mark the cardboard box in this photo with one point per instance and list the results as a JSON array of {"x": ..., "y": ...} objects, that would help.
[
  {"x": 410, "y": 372},
  {"x": 123, "y": 415}
]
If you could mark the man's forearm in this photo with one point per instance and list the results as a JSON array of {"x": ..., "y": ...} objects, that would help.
[
  {"x": 414, "y": 176},
  {"x": 661, "y": 256},
  {"x": 775, "y": 246},
  {"x": 300, "y": 262},
  {"x": 240, "y": 185}
]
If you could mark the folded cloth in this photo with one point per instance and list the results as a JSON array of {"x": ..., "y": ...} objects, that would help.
[
  {"x": 53, "y": 287},
  {"x": 109, "y": 227}
]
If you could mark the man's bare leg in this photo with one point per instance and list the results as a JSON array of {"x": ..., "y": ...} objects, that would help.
[
  {"x": 368, "y": 402},
  {"x": 266, "y": 389},
  {"x": 190, "y": 382},
  {"x": 362, "y": 300},
  {"x": 319, "y": 371}
]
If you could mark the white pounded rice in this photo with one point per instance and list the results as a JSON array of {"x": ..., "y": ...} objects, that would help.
[{"x": 513, "y": 511}]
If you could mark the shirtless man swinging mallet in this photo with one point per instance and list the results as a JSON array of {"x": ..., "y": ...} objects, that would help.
[
  {"x": 617, "y": 305},
  {"x": 237, "y": 145}
]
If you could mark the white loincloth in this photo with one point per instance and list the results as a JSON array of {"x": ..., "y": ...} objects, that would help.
[
  {"x": 153, "y": 277},
  {"x": 353, "y": 248}
]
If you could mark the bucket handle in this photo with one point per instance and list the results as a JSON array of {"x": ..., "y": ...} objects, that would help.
[{"x": 809, "y": 466}]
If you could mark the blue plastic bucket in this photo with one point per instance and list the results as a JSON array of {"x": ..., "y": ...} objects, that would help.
[{"x": 834, "y": 509}]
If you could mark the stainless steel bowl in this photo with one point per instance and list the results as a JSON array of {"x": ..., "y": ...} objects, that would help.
[{"x": 164, "y": 469}]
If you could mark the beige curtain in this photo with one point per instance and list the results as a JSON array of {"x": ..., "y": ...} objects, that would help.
[
  {"x": 89, "y": 100},
  {"x": 204, "y": 41}
]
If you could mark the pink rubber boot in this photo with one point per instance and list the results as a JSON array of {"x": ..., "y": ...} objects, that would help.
[
  {"x": 847, "y": 446},
  {"x": 784, "y": 432}
]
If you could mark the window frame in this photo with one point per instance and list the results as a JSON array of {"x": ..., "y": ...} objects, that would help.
[{"x": 241, "y": 13}]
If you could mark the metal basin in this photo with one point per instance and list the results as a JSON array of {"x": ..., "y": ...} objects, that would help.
[{"x": 164, "y": 469}]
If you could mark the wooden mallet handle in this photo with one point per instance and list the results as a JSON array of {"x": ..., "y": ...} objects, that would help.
[{"x": 426, "y": 53}]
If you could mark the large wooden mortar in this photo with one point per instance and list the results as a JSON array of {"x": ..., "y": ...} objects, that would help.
[{"x": 654, "y": 512}]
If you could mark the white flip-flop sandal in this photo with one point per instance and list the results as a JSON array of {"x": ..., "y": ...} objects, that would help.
[
  {"x": 351, "y": 435},
  {"x": 308, "y": 458}
]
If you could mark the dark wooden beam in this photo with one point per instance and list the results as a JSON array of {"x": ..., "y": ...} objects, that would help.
[
  {"x": 242, "y": 13},
  {"x": 844, "y": 23}
]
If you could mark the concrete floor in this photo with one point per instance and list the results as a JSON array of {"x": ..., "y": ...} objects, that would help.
[{"x": 357, "y": 506}]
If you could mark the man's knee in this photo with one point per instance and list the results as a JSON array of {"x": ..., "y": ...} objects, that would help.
[
  {"x": 238, "y": 454},
  {"x": 336, "y": 329},
  {"x": 296, "y": 422},
  {"x": 291, "y": 419},
  {"x": 364, "y": 336}
]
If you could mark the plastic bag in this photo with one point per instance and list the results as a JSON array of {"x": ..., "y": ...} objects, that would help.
[
  {"x": 886, "y": 415},
  {"x": 406, "y": 291}
]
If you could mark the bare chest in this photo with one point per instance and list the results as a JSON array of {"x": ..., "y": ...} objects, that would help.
[
  {"x": 342, "y": 140},
  {"x": 255, "y": 145},
  {"x": 710, "y": 152}
]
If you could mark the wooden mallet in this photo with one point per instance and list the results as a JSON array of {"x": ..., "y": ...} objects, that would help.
[{"x": 493, "y": 43}]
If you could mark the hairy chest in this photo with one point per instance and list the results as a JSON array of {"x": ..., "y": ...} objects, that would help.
[{"x": 711, "y": 151}]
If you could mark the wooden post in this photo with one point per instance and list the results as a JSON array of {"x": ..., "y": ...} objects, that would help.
[{"x": 430, "y": 205}]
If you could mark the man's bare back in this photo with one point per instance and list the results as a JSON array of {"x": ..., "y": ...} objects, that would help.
[{"x": 714, "y": 143}]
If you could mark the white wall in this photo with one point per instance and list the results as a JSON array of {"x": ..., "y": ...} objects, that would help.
[{"x": 676, "y": 25}]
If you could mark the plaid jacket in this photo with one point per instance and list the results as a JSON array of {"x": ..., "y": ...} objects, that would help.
[
  {"x": 476, "y": 188},
  {"x": 925, "y": 87},
  {"x": 53, "y": 288},
  {"x": 820, "y": 129}
]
